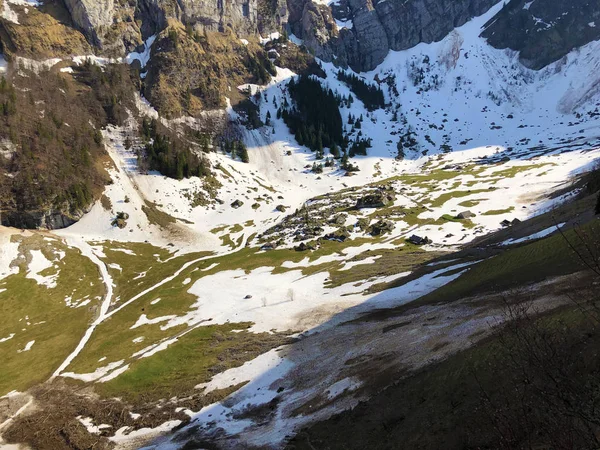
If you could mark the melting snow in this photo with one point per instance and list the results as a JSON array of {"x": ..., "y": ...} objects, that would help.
[
  {"x": 538, "y": 235},
  {"x": 38, "y": 264},
  {"x": 27, "y": 347}
]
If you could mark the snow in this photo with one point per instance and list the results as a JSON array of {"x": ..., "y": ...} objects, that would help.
[
  {"x": 88, "y": 423},
  {"x": 144, "y": 56},
  {"x": 38, "y": 264},
  {"x": 247, "y": 371},
  {"x": 36, "y": 66},
  {"x": 9, "y": 251},
  {"x": 115, "y": 266},
  {"x": 3, "y": 64},
  {"x": 27, "y": 347},
  {"x": 114, "y": 374},
  {"x": 261, "y": 373},
  {"x": 97, "y": 60},
  {"x": 125, "y": 435},
  {"x": 143, "y": 320},
  {"x": 344, "y": 385},
  {"x": 8, "y": 338},
  {"x": 9, "y": 14},
  {"x": 270, "y": 37},
  {"x": 370, "y": 260},
  {"x": 538, "y": 235},
  {"x": 477, "y": 86},
  {"x": 99, "y": 373},
  {"x": 160, "y": 347}
]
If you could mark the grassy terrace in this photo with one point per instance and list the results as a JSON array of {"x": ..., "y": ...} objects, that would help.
[
  {"x": 135, "y": 267},
  {"x": 37, "y": 313},
  {"x": 195, "y": 358},
  {"x": 524, "y": 264},
  {"x": 114, "y": 339}
]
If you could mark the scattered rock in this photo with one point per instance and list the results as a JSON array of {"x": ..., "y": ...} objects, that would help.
[
  {"x": 375, "y": 200},
  {"x": 121, "y": 220},
  {"x": 382, "y": 227},
  {"x": 340, "y": 219},
  {"x": 340, "y": 235},
  {"x": 237, "y": 204}
]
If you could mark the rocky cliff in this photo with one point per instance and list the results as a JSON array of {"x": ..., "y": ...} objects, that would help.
[
  {"x": 117, "y": 26},
  {"x": 378, "y": 26},
  {"x": 544, "y": 31}
]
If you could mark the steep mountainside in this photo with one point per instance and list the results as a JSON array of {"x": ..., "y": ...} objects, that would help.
[
  {"x": 267, "y": 223},
  {"x": 369, "y": 29},
  {"x": 544, "y": 31}
]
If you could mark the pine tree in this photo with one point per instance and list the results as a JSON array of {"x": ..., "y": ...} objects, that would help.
[
  {"x": 243, "y": 151},
  {"x": 335, "y": 151}
]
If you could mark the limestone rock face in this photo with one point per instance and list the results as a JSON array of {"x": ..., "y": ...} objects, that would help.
[
  {"x": 371, "y": 36},
  {"x": 380, "y": 26},
  {"x": 544, "y": 31},
  {"x": 120, "y": 25},
  {"x": 216, "y": 15},
  {"x": 410, "y": 23},
  {"x": 45, "y": 219},
  {"x": 92, "y": 16}
]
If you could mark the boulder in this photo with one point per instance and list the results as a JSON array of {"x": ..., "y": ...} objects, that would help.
[
  {"x": 375, "y": 200},
  {"x": 340, "y": 219},
  {"x": 382, "y": 227},
  {"x": 340, "y": 235},
  {"x": 237, "y": 204}
]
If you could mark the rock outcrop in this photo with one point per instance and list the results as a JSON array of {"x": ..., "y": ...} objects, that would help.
[
  {"x": 117, "y": 25},
  {"x": 378, "y": 27},
  {"x": 93, "y": 17},
  {"x": 544, "y": 31},
  {"x": 44, "y": 219}
]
